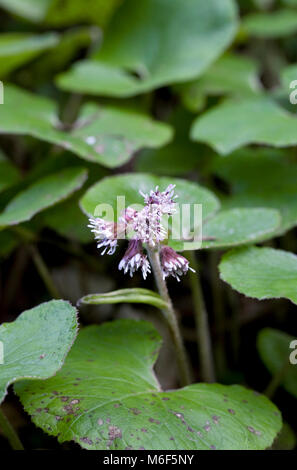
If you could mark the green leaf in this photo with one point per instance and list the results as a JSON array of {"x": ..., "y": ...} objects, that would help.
[
  {"x": 117, "y": 403},
  {"x": 62, "y": 12},
  {"x": 263, "y": 273},
  {"x": 235, "y": 227},
  {"x": 274, "y": 348},
  {"x": 36, "y": 343},
  {"x": 261, "y": 178},
  {"x": 106, "y": 135},
  {"x": 275, "y": 24},
  {"x": 44, "y": 193},
  {"x": 134, "y": 296},
  {"x": 159, "y": 41},
  {"x": 9, "y": 174},
  {"x": 129, "y": 185},
  {"x": 231, "y": 75},
  {"x": 18, "y": 48},
  {"x": 232, "y": 124}
]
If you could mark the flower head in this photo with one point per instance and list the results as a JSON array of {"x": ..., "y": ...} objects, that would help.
[
  {"x": 105, "y": 233},
  {"x": 147, "y": 225},
  {"x": 143, "y": 226},
  {"x": 164, "y": 200},
  {"x": 173, "y": 264},
  {"x": 134, "y": 258}
]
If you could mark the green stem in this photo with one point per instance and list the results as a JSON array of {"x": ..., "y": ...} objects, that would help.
[
  {"x": 43, "y": 272},
  {"x": 277, "y": 379},
  {"x": 201, "y": 318},
  {"x": 171, "y": 318},
  {"x": 219, "y": 315},
  {"x": 10, "y": 433}
]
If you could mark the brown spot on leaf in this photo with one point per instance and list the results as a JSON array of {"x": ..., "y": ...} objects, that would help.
[
  {"x": 114, "y": 432},
  {"x": 216, "y": 419},
  {"x": 75, "y": 401}
]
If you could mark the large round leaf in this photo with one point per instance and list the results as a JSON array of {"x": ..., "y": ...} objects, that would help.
[
  {"x": 159, "y": 41},
  {"x": 263, "y": 273},
  {"x": 275, "y": 349},
  {"x": 36, "y": 343},
  {"x": 106, "y": 135},
  {"x": 232, "y": 125},
  {"x": 128, "y": 185},
  {"x": 43, "y": 194},
  {"x": 235, "y": 227},
  {"x": 107, "y": 397}
]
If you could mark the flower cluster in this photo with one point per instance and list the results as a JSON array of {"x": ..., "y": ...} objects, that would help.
[{"x": 147, "y": 228}]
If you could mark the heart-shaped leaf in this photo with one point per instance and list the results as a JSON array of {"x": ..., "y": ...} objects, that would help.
[
  {"x": 106, "y": 135},
  {"x": 9, "y": 174},
  {"x": 44, "y": 193},
  {"x": 275, "y": 349},
  {"x": 134, "y": 296},
  {"x": 232, "y": 125},
  {"x": 36, "y": 343},
  {"x": 263, "y": 273},
  {"x": 275, "y": 24},
  {"x": 159, "y": 41},
  {"x": 18, "y": 48},
  {"x": 230, "y": 75},
  {"x": 128, "y": 186},
  {"x": 107, "y": 397},
  {"x": 261, "y": 178},
  {"x": 235, "y": 227}
]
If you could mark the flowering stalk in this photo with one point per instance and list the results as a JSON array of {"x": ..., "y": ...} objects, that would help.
[
  {"x": 10, "y": 433},
  {"x": 145, "y": 228},
  {"x": 202, "y": 327},
  {"x": 170, "y": 315}
]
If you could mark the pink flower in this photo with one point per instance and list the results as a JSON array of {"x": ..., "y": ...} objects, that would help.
[
  {"x": 148, "y": 227},
  {"x": 173, "y": 264},
  {"x": 164, "y": 200},
  {"x": 105, "y": 233},
  {"x": 134, "y": 258}
]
